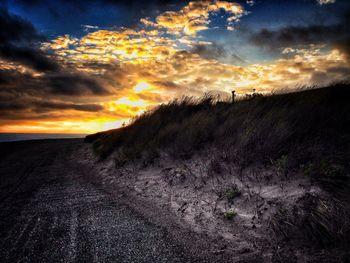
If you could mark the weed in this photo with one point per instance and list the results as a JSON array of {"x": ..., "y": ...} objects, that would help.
[{"x": 230, "y": 214}]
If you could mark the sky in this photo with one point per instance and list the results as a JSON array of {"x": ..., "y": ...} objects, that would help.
[{"x": 69, "y": 66}]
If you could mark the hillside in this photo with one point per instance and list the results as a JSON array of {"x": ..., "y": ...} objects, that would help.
[{"x": 268, "y": 176}]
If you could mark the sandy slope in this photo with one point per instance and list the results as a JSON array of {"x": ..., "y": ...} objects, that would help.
[
  {"x": 186, "y": 196},
  {"x": 59, "y": 203}
]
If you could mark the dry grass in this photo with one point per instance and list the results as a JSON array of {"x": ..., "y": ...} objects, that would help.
[
  {"x": 310, "y": 128},
  {"x": 321, "y": 222},
  {"x": 306, "y": 131}
]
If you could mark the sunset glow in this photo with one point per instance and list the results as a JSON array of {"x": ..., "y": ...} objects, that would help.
[
  {"x": 91, "y": 77},
  {"x": 142, "y": 86}
]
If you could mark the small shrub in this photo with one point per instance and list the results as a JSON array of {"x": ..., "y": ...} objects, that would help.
[
  {"x": 230, "y": 214},
  {"x": 231, "y": 193}
]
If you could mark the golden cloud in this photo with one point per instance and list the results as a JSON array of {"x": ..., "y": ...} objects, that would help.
[
  {"x": 194, "y": 17},
  {"x": 143, "y": 68}
]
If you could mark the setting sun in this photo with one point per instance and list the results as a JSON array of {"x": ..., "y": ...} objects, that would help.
[
  {"x": 111, "y": 70},
  {"x": 142, "y": 86}
]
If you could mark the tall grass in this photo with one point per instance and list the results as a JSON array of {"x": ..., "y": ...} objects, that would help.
[
  {"x": 307, "y": 131},
  {"x": 309, "y": 128}
]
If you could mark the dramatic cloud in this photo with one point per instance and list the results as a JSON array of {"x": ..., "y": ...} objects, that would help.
[
  {"x": 44, "y": 106},
  {"x": 194, "y": 17},
  {"x": 17, "y": 36},
  {"x": 105, "y": 77},
  {"x": 298, "y": 35},
  {"x": 30, "y": 77},
  {"x": 292, "y": 36},
  {"x": 33, "y": 58},
  {"x": 16, "y": 29}
]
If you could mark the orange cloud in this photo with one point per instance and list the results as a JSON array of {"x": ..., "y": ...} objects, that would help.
[
  {"x": 146, "y": 67},
  {"x": 194, "y": 17}
]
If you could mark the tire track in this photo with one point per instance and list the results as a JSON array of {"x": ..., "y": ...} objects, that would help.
[
  {"x": 73, "y": 236},
  {"x": 62, "y": 217},
  {"x": 21, "y": 239}
]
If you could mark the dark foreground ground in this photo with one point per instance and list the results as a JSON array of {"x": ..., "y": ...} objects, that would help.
[{"x": 50, "y": 212}]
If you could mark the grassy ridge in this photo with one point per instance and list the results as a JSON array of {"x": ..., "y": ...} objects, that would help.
[
  {"x": 301, "y": 132},
  {"x": 309, "y": 129}
]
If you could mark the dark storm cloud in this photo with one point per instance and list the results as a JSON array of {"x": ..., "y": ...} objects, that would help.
[
  {"x": 6, "y": 77},
  {"x": 52, "y": 84},
  {"x": 18, "y": 39},
  {"x": 30, "y": 57},
  {"x": 74, "y": 84},
  {"x": 15, "y": 29},
  {"x": 19, "y": 43},
  {"x": 19, "y": 110},
  {"x": 57, "y": 88},
  {"x": 337, "y": 35},
  {"x": 45, "y": 105},
  {"x": 298, "y": 35},
  {"x": 61, "y": 82},
  {"x": 11, "y": 107}
]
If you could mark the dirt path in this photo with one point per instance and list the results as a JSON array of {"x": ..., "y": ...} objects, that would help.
[{"x": 51, "y": 212}]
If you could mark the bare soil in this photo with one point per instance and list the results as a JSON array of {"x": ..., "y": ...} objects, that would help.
[
  {"x": 60, "y": 203},
  {"x": 188, "y": 196}
]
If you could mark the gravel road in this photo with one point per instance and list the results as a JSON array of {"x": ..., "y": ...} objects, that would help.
[{"x": 50, "y": 212}]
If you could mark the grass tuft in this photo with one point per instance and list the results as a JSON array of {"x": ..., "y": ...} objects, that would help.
[
  {"x": 322, "y": 222},
  {"x": 230, "y": 214}
]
